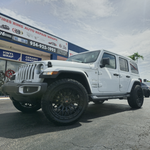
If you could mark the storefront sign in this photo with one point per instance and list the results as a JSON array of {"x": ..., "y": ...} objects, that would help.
[
  {"x": 10, "y": 55},
  {"x": 28, "y": 58},
  {"x": 25, "y": 34},
  {"x": 17, "y": 56}
]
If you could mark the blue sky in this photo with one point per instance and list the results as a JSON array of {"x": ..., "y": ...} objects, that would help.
[{"x": 121, "y": 26}]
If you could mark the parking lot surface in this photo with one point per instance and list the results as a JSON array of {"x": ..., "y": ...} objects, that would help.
[{"x": 109, "y": 126}]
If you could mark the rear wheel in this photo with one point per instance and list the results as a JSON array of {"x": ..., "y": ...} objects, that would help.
[
  {"x": 136, "y": 98},
  {"x": 65, "y": 101},
  {"x": 27, "y": 107}
]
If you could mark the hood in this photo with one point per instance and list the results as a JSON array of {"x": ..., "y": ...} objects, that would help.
[
  {"x": 70, "y": 64},
  {"x": 64, "y": 64}
]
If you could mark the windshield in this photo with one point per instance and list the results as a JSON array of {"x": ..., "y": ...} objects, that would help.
[{"x": 88, "y": 57}]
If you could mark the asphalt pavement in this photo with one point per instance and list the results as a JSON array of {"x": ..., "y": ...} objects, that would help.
[{"x": 109, "y": 126}]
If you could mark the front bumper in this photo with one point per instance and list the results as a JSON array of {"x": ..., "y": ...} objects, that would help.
[{"x": 24, "y": 92}]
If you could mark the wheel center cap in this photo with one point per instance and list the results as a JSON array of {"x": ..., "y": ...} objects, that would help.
[{"x": 66, "y": 100}]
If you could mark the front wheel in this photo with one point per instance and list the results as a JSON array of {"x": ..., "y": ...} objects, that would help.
[
  {"x": 27, "y": 107},
  {"x": 65, "y": 101},
  {"x": 136, "y": 98}
]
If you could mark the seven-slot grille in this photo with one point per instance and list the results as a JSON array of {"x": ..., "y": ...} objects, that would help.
[{"x": 26, "y": 72}]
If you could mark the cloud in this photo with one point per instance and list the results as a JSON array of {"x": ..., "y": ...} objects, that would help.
[
  {"x": 132, "y": 43},
  {"x": 94, "y": 8},
  {"x": 128, "y": 44},
  {"x": 75, "y": 9},
  {"x": 119, "y": 26},
  {"x": 25, "y": 19},
  {"x": 44, "y": 1}
]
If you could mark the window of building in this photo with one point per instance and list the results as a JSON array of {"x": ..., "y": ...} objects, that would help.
[
  {"x": 2, "y": 65},
  {"x": 112, "y": 59},
  {"x": 123, "y": 65},
  {"x": 61, "y": 58},
  {"x": 13, "y": 65},
  {"x": 2, "y": 76}
]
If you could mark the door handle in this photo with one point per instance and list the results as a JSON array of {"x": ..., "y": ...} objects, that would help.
[
  {"x": 127, "y": 76},
  {"x": 115, "y": 74}
]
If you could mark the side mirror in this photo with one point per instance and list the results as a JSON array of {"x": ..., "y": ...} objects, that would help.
[{"x": 105, "y": 61}]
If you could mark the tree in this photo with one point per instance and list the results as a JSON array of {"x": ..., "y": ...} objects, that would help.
[{"x": 136, "y": 56}]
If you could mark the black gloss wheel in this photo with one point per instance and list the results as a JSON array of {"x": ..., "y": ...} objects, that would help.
[
  {"x": 136, "y": 98},
  {"x": 65, "y": 101},
  {"x": 66, "y": 104},
  {"x": 139, "y": 99}
]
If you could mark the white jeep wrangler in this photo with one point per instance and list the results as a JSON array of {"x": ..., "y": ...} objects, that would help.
[{"x": 64, "y": 88}]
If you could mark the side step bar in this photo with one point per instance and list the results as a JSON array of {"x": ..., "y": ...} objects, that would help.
[{"x": 95, "y": 97}]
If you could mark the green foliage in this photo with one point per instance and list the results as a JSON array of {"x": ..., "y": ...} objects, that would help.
[{"x": 136, "y": 56}]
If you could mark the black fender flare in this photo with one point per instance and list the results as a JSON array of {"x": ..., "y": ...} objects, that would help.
[{"x": 68, "y": 74}]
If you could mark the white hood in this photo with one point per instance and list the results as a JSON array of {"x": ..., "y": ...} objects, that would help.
[{"x": 69, "y": 64}]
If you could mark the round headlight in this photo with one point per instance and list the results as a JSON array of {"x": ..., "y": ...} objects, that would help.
[{"x": 41, "y": 68}]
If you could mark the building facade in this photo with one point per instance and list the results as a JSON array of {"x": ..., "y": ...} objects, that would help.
[{"x": 21, "y": 43}]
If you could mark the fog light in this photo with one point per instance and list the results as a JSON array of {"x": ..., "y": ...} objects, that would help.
[{"x": 29, "y": 89}]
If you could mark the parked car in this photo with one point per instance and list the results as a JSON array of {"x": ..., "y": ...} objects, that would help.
[{"x": 146, "y": 89}]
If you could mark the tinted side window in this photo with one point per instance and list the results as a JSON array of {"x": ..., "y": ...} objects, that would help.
[
  {"x": 112, "y": 59},
  {"x": 134, "y": 68},
  {"x": 123, "y": 65}
]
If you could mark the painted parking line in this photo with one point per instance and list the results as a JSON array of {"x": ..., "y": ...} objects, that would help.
[{"x": 2, "y": 98}]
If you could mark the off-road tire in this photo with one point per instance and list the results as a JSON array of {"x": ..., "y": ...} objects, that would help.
[
  {"x": 26, "y": 107},
  {"x": 136, "y": 98},
  {"x": 65, "y": 101}
]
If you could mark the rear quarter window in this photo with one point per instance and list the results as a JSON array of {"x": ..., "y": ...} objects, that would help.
[{"x": 134, "y": 68}]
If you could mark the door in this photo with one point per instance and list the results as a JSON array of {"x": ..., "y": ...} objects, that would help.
[
  {"x": 125, "y": 77},
  {"x": 109, "y": 76}
]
